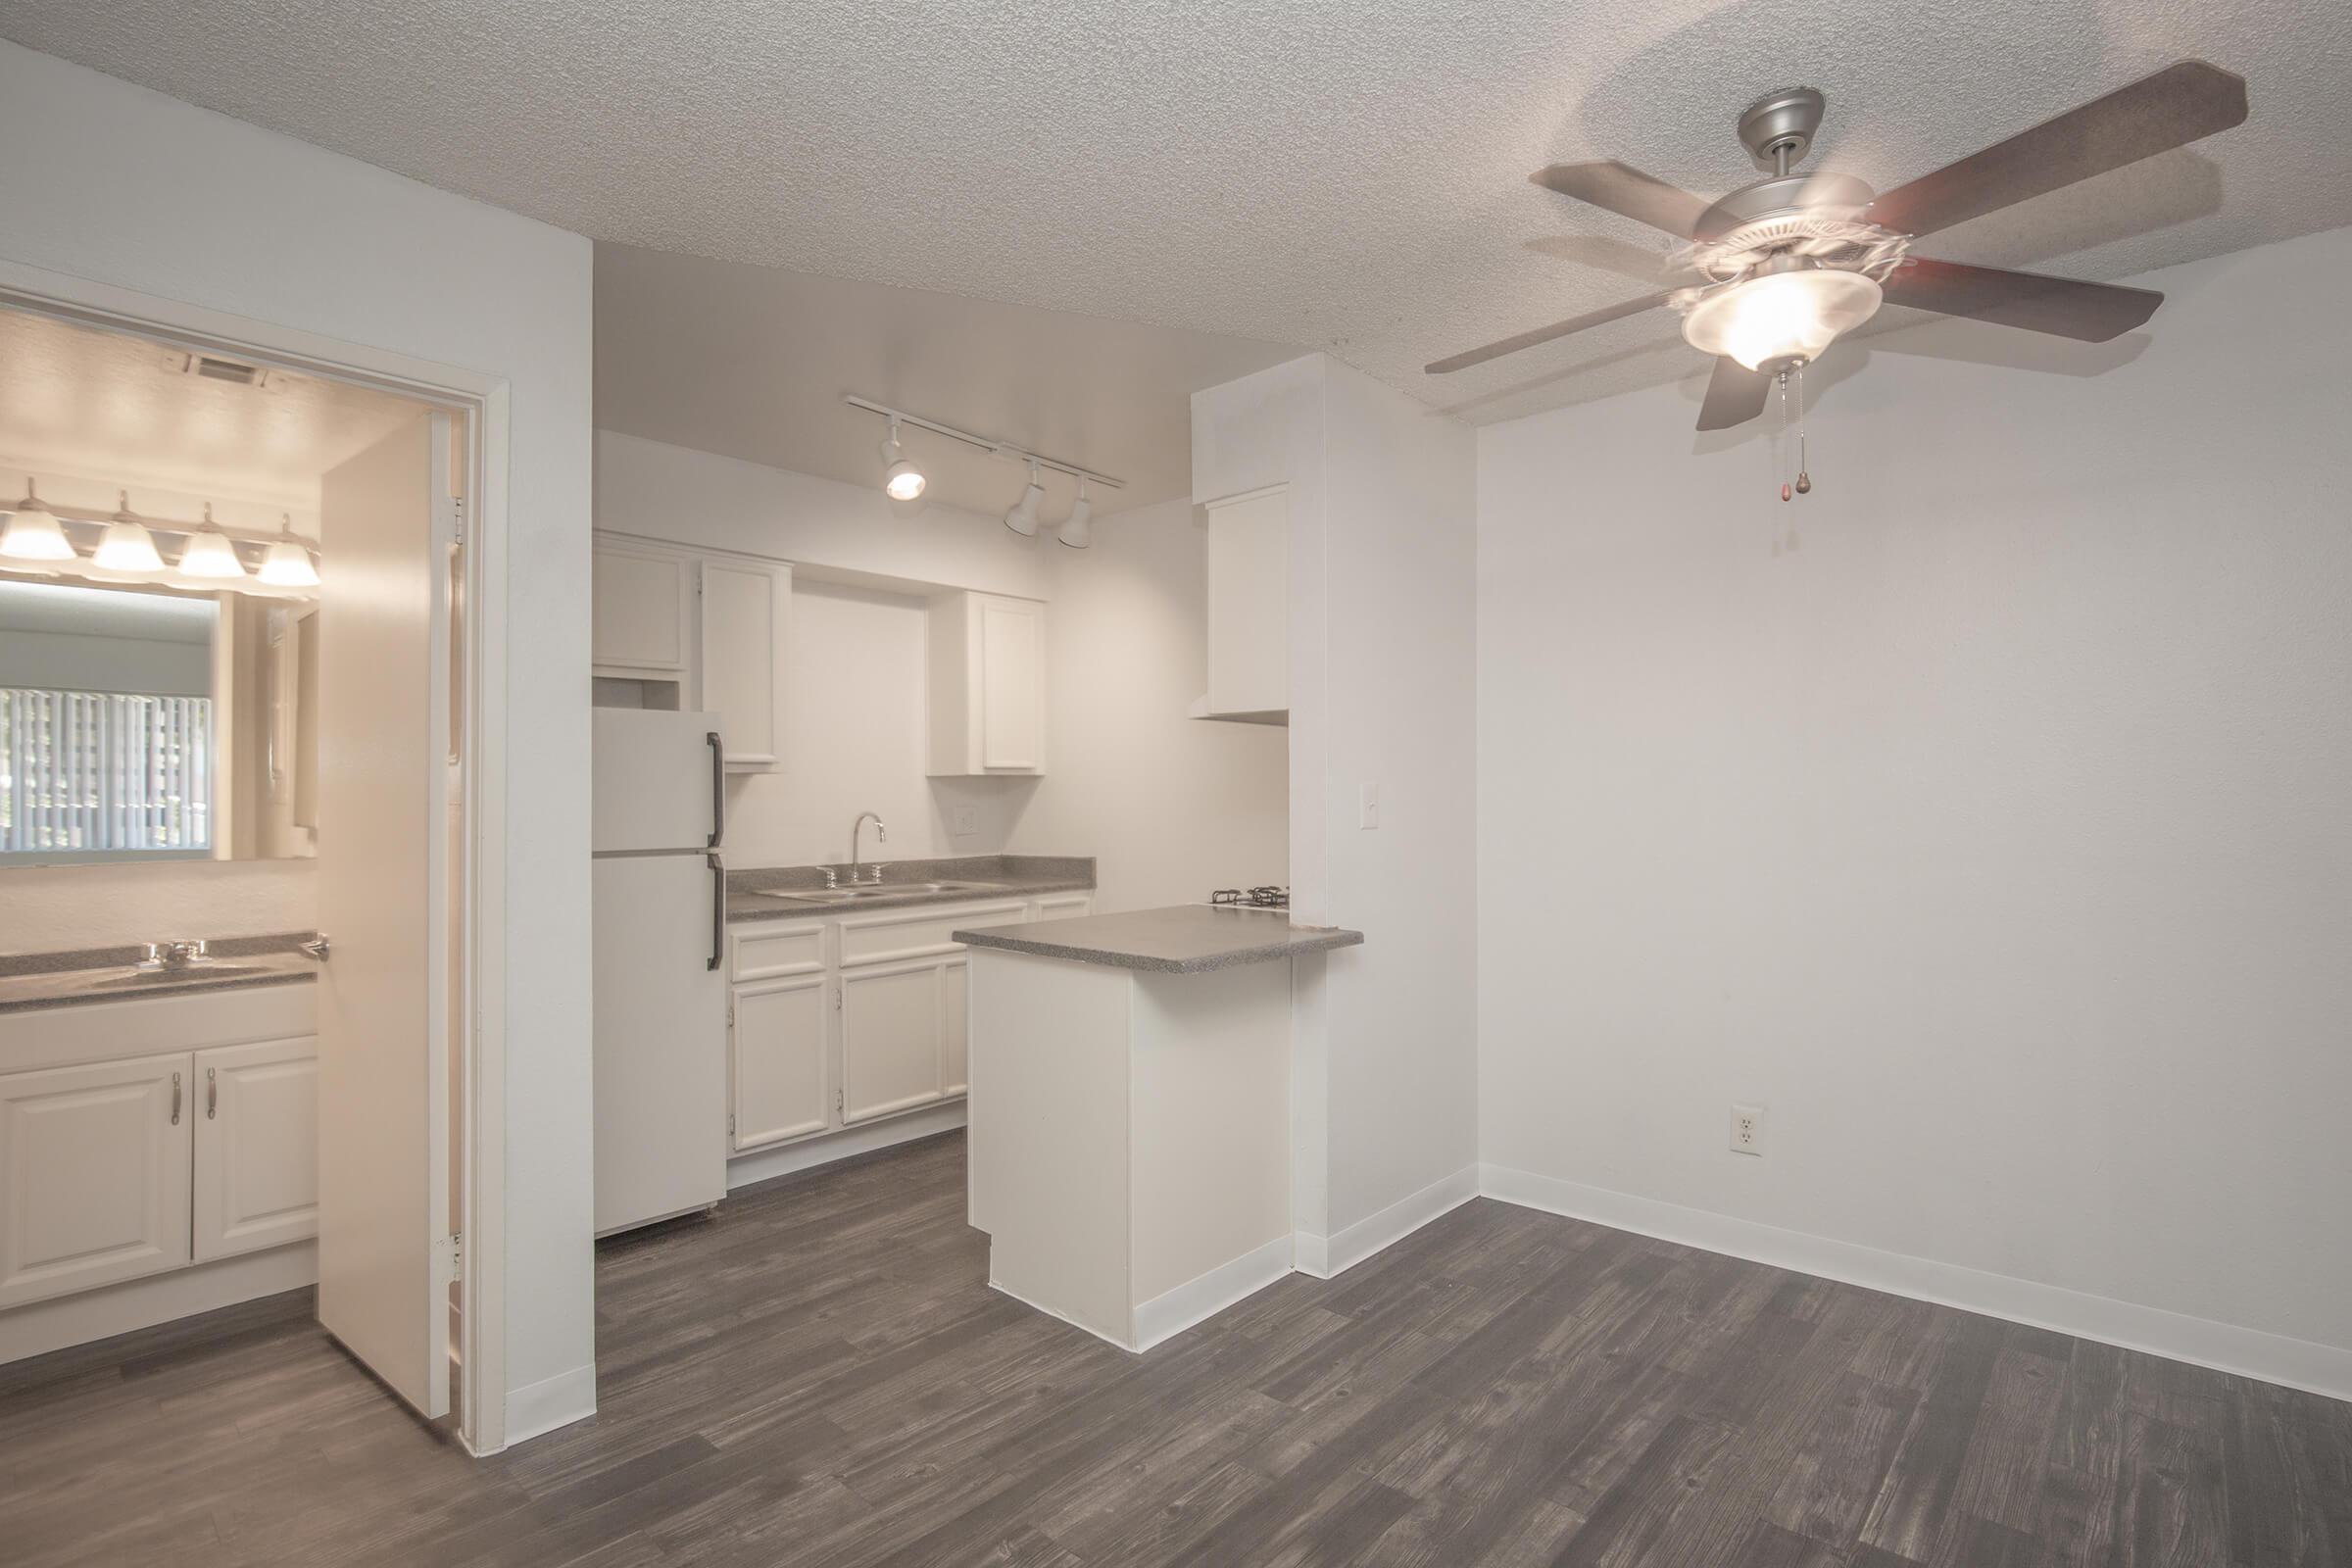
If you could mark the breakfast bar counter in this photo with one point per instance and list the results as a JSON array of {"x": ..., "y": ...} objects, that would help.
[{"x": 1130, "y": 1111}]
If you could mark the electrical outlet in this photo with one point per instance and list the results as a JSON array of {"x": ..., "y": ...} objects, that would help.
[
  {"x": 1747, "y": 1129},
  {"x": 964, "y": 820}
]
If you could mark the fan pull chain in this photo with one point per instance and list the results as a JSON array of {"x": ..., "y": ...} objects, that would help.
[
  {"x": 1804, "y": 480},
  {"x": 1780, "y": 442}
]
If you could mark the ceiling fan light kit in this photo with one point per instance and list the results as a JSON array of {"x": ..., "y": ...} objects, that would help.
[{"x": 1781, "y": 268}]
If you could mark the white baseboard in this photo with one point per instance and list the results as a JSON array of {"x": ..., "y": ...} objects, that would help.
[
  {"x": 1324, "y": 1257},
  {"x": 63, "y": 1321},
  {"x": 538, "y": 1408},
  {"x": 1198, "y": 1299},
  {"x": 767, "y": 1164},
  {"x": 2227, "y": 1348}
]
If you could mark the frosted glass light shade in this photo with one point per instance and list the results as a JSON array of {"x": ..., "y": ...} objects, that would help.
[
  {"x": 1780, "y": 318},
  {"x": 32, "y": 533},
  {"x": 287, "y": 565},
  {"x": 128, "y": 547},
  {"x": 210, "y": 555}
]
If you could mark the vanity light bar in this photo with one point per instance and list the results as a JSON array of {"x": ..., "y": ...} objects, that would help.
[{"x": 1002, "y": 448}]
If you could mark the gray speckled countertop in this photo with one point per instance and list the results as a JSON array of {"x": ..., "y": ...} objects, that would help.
[
  {"x": 1188, "y": 939},
  {"x": 89, "y": 975},
  {"x": 764, "y": 894}
]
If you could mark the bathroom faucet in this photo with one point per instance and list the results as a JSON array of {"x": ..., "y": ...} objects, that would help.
[{"x": 858, "y": 830}]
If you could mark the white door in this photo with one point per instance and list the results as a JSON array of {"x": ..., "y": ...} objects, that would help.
[
  {"x": 1013, "y": 670},
  {"x": 388, "y": 525},
  {"x": 780, "y": 1055},
  {"x": 744, "y": 610},
  {"x": 93, "y": 1175},
  {"x": 256, "y": 1115},
  {"x": 889, "y": 1039}
]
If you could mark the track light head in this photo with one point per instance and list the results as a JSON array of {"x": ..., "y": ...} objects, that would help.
[
  {"x": 1022, "y": 517},
  {"x": 1077, "y": 530},
  {"x": 901, "y": 480}
]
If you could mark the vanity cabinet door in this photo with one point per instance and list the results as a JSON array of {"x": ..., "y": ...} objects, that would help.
[
  {"x": 890, "y": 1038},
  {"x": 93, "y": 1174},
  {"x": 776, "y": 1061},
  {"x": 254, "y": 1109}
]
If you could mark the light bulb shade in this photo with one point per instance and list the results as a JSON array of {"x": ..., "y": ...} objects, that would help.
[
  {"x": 32, "y": 534},
  {"x": 904, "y": 481},
  {"x": 1077, "y": 530},
  {"x": 1780, "y": 318},
  {"x": 287, "y": 565},
  {"x": 210, "y": 556},
  {"x": 1022, "y": 518},
  {"x": 128, "y": 547}
]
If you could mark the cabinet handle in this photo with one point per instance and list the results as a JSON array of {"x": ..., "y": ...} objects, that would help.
[
  {"x": 175, "y": 1099},
  {"x": 212, "y": 1094}
]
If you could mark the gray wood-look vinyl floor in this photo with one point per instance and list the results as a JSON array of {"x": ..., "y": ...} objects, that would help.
[{"x": 820, "y": 1377}]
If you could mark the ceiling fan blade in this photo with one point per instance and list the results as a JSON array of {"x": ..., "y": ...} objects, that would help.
[
  {"x": 2091, "y": 313},
  {"x": 1543, "y": 335},
  {"x": 1735, "y": 395},
  {"x": 1644, "y": 198},
  {"x": 2155, "y": 114}
]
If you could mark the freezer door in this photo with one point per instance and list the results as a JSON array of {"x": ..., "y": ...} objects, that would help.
[
  {"x": 660, "y": 780},
  {"x": 660, "y": 1041}
]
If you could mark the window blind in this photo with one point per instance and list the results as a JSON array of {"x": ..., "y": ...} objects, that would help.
[{"x": 104, "y": 773}]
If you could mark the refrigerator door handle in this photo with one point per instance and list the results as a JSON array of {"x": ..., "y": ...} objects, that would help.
[
  {"x": 718, "y": 910},
  {"x": 718, "y": 790}
]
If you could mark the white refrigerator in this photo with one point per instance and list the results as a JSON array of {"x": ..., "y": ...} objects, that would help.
[{"x": 660, "y": 814}]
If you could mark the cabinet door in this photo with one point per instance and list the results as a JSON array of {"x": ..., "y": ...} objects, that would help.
[
  {"x": 891, "y": 1056},
  {"x": 954, "y": 1017},
  {"x": 1248, "y": 604},
  {"x": 1064, "y": 906},
  {"x": 256, "y": 1115},
  {"x": 93, "y": 1175},
  {"x": 777, "y": 1086},
  {"x": 744, "y": 609},
  {"x": 1012, "y": 668},
  {"x": 643, "y": 615}
]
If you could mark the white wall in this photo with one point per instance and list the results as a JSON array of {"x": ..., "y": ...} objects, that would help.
[
  {"x": 1994, "y": 834},
  {"x": 1381, "y": 678},
  {"x": 1170, "y": 806},
  {"x": 145, "y": 193}
]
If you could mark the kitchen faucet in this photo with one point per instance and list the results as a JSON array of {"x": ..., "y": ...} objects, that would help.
[{"x": 857, "y": 830}]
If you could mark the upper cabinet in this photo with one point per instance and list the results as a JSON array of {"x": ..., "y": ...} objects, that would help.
[
  {"x": 1249, "y": 608},
  {"x": 987, "y": 685},
  {"x": 700, "y": 631},
  {"x": 745, "y": 604}
]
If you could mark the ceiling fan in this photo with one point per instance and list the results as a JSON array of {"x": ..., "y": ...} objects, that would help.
[{"x": 1780, "y": 268}]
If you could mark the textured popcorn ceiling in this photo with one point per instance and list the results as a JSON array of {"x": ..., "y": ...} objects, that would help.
[{"x": 1347, "y": 176}]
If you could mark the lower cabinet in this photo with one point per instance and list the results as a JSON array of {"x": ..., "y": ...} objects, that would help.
[
  {"x": 115, "y": 1170},
  {"x": 780, "y": 1081},
  {"x": 857, "y": 1019}
]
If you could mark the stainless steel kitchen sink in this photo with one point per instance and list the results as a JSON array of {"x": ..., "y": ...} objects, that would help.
[
  {"x": 876, "y": 890},
  {"x": 182, "y": 974}
]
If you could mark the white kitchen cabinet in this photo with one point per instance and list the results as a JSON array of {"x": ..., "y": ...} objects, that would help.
[
  {"x": 644, "y": 612},
  {"x": 893, "y": 1028},
  {"x": 955, "y": 1020},
  {"x": 1062, "y": 906},
  {"x": 94, "y": 1173},
  {"x": 987, "y": 685},
  {"x": 779, "y": 1064},
  {"x": 254, "y": 1111},
  {"x": 745, "y": 607},
  {"x": 1249, "y": 608}
]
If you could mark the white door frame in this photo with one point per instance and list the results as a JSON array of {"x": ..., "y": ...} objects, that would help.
[{"x": 481, "y": 621}]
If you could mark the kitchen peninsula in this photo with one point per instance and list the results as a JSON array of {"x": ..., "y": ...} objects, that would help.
[{"x": 1130, "y": 1111}]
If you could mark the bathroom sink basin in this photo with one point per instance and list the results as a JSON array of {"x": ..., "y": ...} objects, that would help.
[
  {"x": 193, "y": 971},
  {"x": 878, "y": 889}
]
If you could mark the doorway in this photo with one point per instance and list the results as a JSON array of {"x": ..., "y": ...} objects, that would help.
[{"x": 335, "y": 722}]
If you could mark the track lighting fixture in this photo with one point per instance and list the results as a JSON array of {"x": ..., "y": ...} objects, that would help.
[
  {"x": 127, "y": 545},
  {"x": 288, "y": 562},
  {"x": 209, "y": 553},
  {"x": 1022, "y": 518},
  {"x": 1077, "y": 530},
  {"x": 33, "y": 532},
  {"x": 901, "y": 480}
]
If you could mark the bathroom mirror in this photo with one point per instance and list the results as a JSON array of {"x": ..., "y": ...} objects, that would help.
[{"x": 142, "y": 722}]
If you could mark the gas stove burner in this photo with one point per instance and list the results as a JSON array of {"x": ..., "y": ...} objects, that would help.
[{"x": 1265, "y": 897}]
